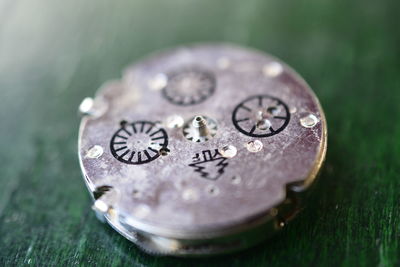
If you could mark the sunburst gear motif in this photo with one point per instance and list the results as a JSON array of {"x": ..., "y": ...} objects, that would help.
[
  {"x": 189, "y": 86},
  {"x": 138, "y": 142},
  {"x": 261, "y": 116}
]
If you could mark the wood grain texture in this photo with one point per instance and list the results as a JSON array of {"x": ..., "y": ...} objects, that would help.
[{"x": 54, "y": 53}]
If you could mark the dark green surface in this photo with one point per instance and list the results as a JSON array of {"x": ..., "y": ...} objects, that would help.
[{"x": 54, "y": 53}]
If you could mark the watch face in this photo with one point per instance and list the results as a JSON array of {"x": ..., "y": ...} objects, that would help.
[{"x": 195, "y": 142}]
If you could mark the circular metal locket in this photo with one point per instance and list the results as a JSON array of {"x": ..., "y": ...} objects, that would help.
[{"x": 202, "y": 149}]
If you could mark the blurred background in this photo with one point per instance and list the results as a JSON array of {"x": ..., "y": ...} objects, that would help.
[{"x": 55, "y": 53}]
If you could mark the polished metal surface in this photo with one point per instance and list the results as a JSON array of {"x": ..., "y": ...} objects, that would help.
[{"x": 203, "y": 148}]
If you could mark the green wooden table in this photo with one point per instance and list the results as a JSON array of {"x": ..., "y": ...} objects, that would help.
[{"x": 54, "y": 53}]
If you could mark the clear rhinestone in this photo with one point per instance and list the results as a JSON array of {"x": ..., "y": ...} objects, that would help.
[
  {"x": 272, "y": 69},
  {"x": 309, "y": 121},
  {"x": 158, "y": 82},
  {"x": 254, "y": 146},
  {"x": 228, "y": 151},
  {"x": 95, "y": 152},
  {"x": 86, "y": 105},
  {"x": 174, "y": 121}
]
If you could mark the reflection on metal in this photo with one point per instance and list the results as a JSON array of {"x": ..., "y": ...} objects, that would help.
[{"x": 201, "y": 150}]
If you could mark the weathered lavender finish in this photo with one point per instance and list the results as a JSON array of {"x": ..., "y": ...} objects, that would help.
[{"x": 171, "y": 199}]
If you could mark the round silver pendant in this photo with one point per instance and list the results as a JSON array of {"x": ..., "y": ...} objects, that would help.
[{"x": 202, "y": 149}]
